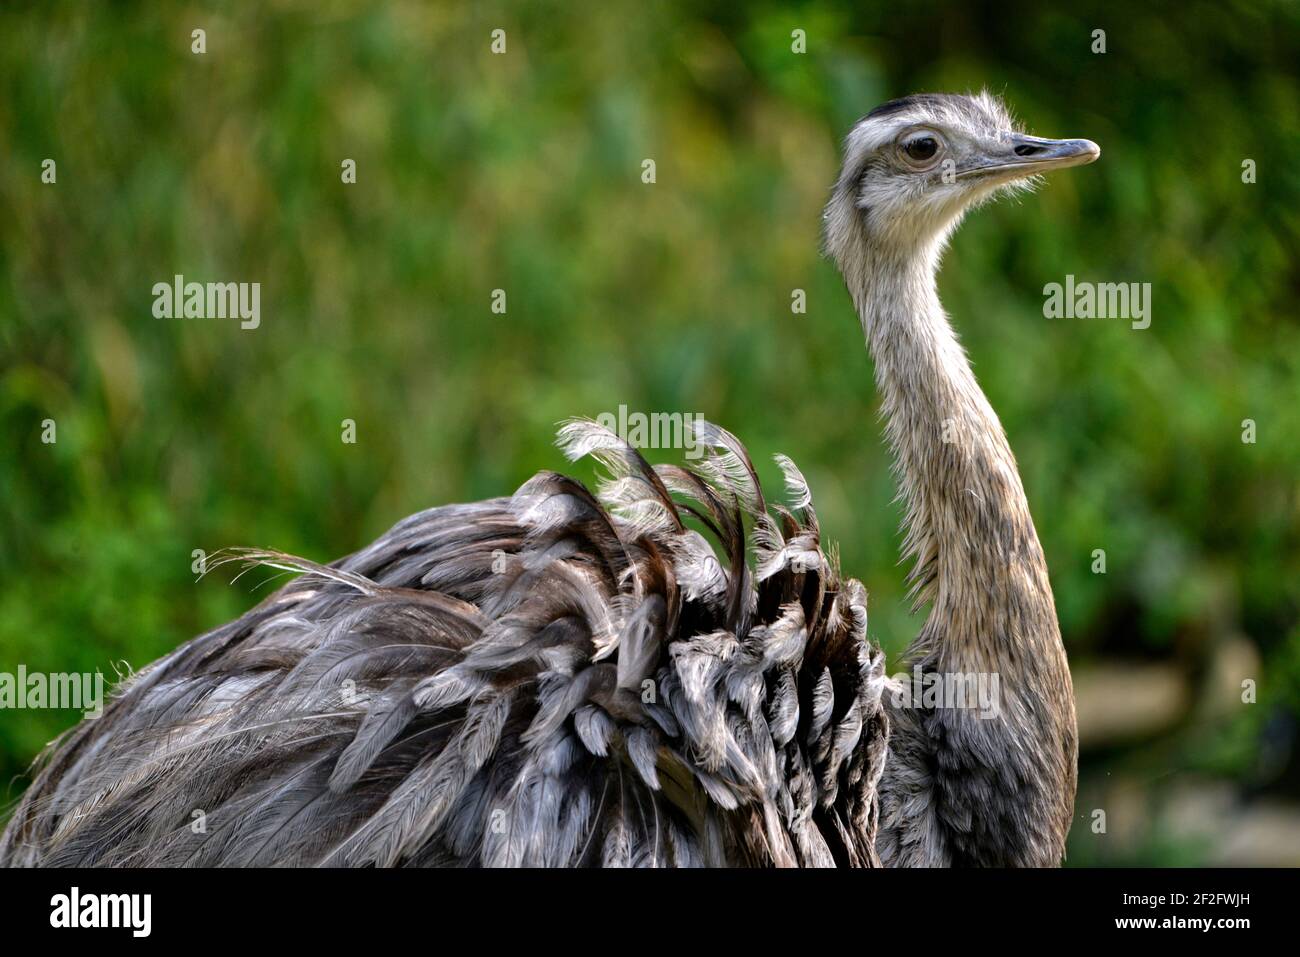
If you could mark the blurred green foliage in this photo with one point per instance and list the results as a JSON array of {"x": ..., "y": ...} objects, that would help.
[{"x": 523, "y": 172}]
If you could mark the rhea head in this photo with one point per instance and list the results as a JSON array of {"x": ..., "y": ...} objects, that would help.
[{"x": 913, "y": 166}]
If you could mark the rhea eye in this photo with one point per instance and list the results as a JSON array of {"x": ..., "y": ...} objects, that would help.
[{"x": 922, "y": 148}]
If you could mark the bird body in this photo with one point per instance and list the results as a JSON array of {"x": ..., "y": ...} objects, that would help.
[
  {"x": 426, "y": 702},
  {"x": 670, "y": 673}
]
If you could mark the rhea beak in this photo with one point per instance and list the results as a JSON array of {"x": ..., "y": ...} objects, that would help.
[{"x": 1022, "y": 155}]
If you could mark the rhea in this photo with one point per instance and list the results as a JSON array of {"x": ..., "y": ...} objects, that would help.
[{"x": 670, "y": 672}]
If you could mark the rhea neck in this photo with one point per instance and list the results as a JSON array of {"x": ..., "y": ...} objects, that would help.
[
  {"x": 962, "y": 789},
  {"x": 968, "y": 526}
]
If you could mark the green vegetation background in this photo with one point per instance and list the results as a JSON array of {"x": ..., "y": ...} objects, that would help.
[{"x": 522, "y": 172}]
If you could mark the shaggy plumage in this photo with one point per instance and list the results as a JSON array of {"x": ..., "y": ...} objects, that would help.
[{"x": 536, "y": 680}]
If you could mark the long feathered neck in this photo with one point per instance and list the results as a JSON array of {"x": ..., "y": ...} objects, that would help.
[
  {"x": 968, "y": 525},
  {"x": 979, "y": 563}
]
